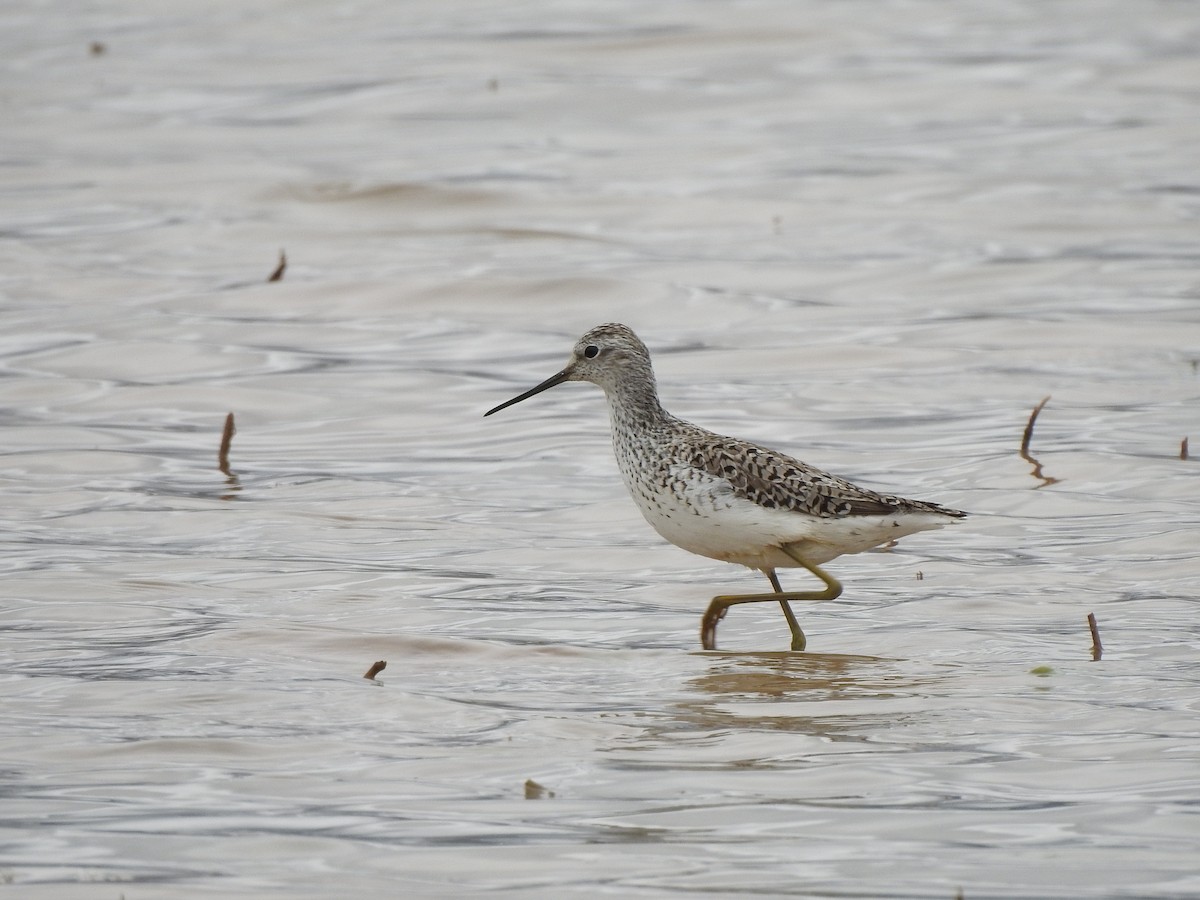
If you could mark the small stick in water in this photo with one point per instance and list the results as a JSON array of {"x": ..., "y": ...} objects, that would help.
[
  {"x": 375, "y": 669},
  {"x": 1097, "y": 647},
  {"x": 1183, "y": 450},
  {"x": 535, "y": 791},
  {"x": 1027, "y": 437},
  {"x": 226, "y": 440},
  {"x": 277, "y": 275}
]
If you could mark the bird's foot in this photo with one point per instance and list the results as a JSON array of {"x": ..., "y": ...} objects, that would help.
[{"x": 708, "y": 625}]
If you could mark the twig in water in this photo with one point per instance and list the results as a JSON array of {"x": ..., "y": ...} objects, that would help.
[
  {"x": 277, "y": 275},
  {"x": 375, "y": 669},
  {"x": 1183, "y": 449},
  {"x": 1028, "y": 435},
  {"x": 535, "y": 791},
  {"x": 1026, "y": 438},
  {"x": 226, "y": 440},
  {"x": 1097, "y": 647}
]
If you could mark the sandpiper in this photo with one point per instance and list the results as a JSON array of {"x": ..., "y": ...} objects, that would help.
[{"x": 729, "y": 499}]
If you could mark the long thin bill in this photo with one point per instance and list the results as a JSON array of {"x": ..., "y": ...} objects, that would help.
[{"x": 544, "y": 386}]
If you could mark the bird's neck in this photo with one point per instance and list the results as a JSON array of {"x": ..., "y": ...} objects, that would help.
[{"x": 633, "y": 405}]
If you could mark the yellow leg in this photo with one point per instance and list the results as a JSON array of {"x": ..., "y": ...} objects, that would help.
[{"x": 720, "y": 605}]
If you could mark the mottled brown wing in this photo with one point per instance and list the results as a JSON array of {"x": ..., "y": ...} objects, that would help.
[{"x": 775, "y": 481}]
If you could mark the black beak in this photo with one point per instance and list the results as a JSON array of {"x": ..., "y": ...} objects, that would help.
[{"x": 544, "y": 386}]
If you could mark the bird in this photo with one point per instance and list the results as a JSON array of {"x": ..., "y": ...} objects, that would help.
[{"x": 730, "y": 499}]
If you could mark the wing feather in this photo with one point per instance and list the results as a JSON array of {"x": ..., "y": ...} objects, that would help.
[{"x": 775, "y": 481}]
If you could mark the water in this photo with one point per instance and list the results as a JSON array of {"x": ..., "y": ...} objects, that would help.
[{"x": 874, "y": 235}]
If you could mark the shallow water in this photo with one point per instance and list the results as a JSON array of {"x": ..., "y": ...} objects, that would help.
[{"x": 872, "y": 234}]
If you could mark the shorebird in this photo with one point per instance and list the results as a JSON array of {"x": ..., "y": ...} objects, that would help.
[{"x": 730, "y": 499}]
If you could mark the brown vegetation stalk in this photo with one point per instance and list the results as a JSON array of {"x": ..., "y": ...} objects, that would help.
[
  {"x": 226, "y": 440},
  {"x": 1027, "y": 437},
  {"x": 376, "y": 668},
  {"x": 1097, "y": 647},
  {"x": 277, "y": 275}
]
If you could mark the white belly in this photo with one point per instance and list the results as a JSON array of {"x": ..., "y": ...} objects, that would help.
[{"x": 703, "y": 516}]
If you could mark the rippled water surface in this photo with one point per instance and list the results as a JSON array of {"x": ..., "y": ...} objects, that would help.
[{"x": 872, "y": 234}]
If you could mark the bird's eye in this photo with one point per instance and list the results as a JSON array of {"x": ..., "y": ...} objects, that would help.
[{"x": 591, "y": 351}]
